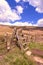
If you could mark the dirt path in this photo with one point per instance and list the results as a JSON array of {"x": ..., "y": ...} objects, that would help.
[{"x": 36, "y": 58}]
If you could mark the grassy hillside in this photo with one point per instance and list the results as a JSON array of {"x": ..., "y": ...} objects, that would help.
[
  {"x": 36, "y": 46},
  {"x": 4, "y": 29},
  {"x": 15, "y": 57}
]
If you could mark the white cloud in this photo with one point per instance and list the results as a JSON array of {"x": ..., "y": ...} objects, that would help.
[
  {"x": 25, "y": 0},
  {"x": 36, "y": 3},
  {"x": 19, "y": 9},
  {"x": 22, "y": 24},
  {"x": 5, "y": 23},
  {"x": 17, "y": 24},
  {"x": 17, "y": 1},
  {"x": 6, "y": 14},
  {"x": 40, "y": 22}
]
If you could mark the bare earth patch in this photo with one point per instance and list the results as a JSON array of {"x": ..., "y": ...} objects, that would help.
[{"x": 38, "y": 59}]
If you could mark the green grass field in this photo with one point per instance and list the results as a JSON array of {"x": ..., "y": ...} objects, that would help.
[
  {"x": 16, "y": 57},
  {"x": 36, "y": 46}
]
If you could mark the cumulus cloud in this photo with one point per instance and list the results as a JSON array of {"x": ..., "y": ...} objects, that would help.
[
  {"x": 17, "y": 1},
  {"x": 25, "y": 0},
  {"x": 19, "y": 9},
  {"x": 6, "y": 23},
  {"x": 40, "y": 22},
  {"x": 6, "y": 14},
  {"x": 38, "y": 4},
  {"x": 22, "y": 24},
  {"x": 17, "y": 24}
]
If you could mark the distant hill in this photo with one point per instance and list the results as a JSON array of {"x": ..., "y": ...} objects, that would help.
[
  {"x": 6, "y": 28},
  {"x": 35, "y": 32}
]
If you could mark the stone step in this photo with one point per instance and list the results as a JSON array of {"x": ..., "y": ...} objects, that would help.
[
  {"x": 24, "y": 44},
  {"x": 25, "y": 49}
]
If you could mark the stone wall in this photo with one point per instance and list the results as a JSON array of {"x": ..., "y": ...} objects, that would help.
[{"x": 33, "y": 35}]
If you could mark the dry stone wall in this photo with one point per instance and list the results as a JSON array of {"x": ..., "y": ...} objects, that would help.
[{"x": 32, "y": 35}]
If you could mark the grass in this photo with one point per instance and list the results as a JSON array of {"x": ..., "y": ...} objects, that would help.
[
  {"x": 16, "y": 57},
  {"x": 2, "y": 47},
  {"x": 36, "y": 46}
]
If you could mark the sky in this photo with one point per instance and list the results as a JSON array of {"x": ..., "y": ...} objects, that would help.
[{"x": 21, "y": 12}]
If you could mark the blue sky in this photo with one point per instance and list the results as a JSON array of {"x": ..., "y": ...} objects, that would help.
[{"x": 21, "y": 12}]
